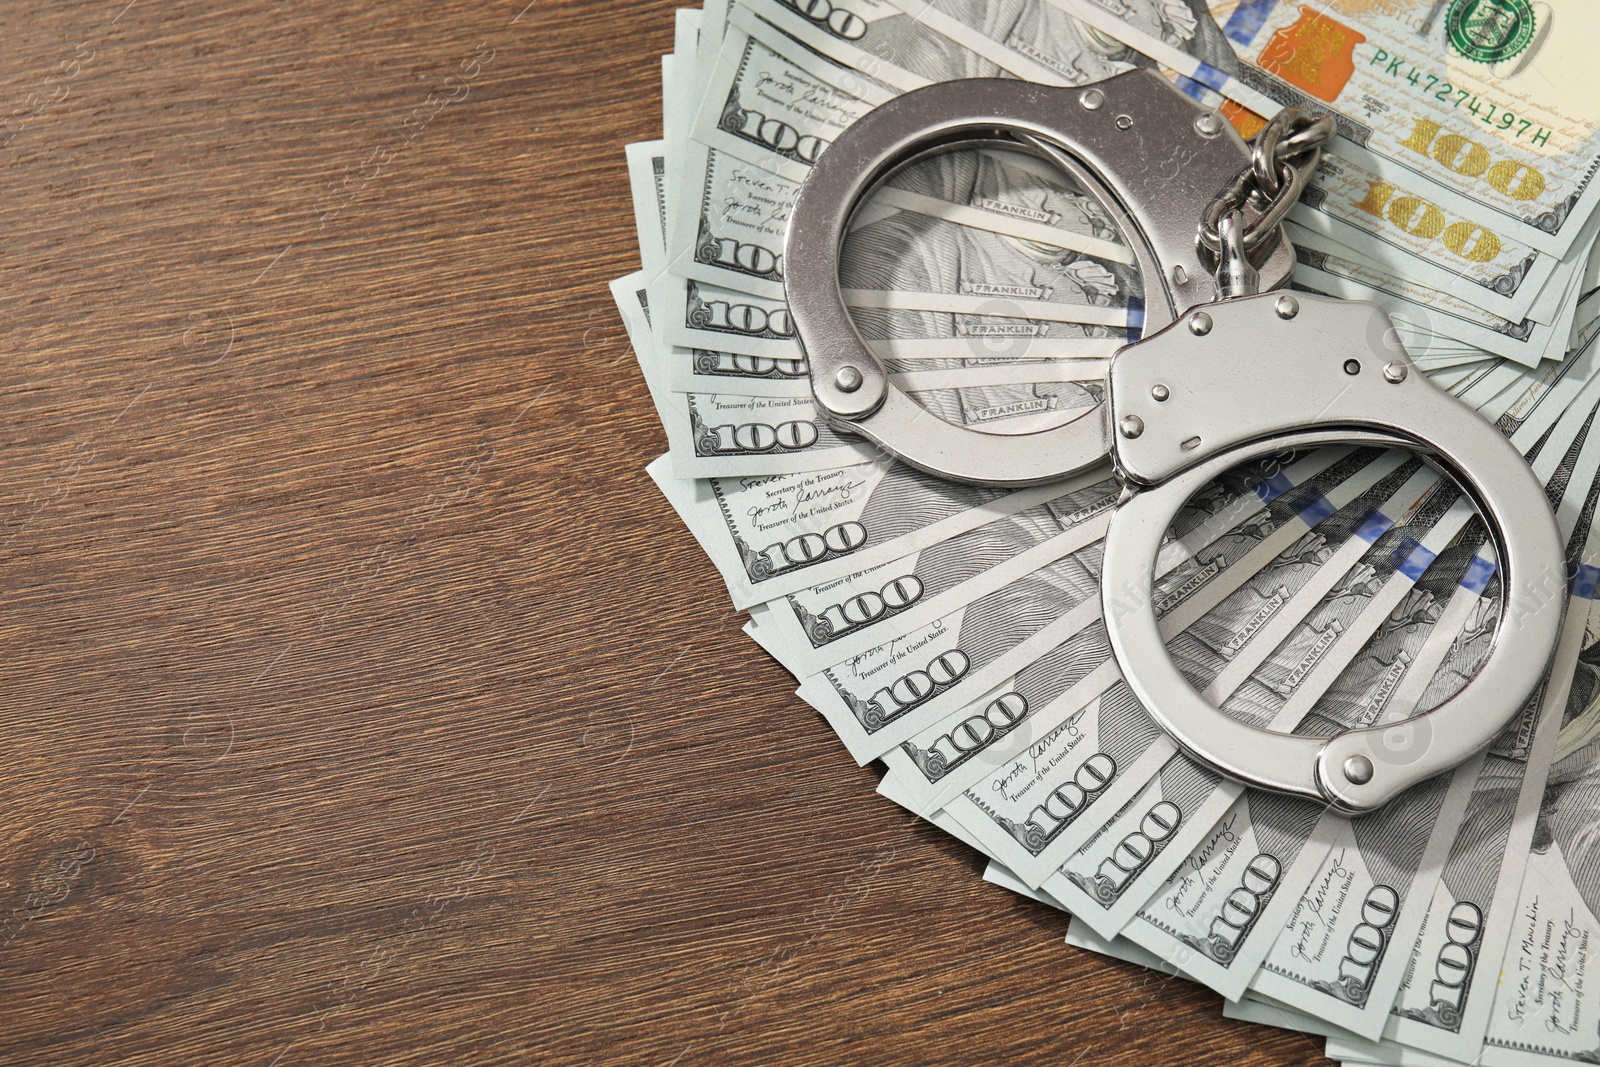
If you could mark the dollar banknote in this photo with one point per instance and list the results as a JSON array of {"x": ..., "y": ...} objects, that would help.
[
  {"x": 1430, "y": 312},
  {"x": 1223, "y": 907},
  {"x": 875, "y": 38},
  {"x": 769, "y": 536},
  {"x": 1479, "y": 258},
  {"x": 1082, "y": 935},
  {"x": 1343, "y": 953},
  {"x": 876, "y": 699},
  {"x": 733, "y": 234},
  {"x": 1544, "y": 1007},
  {"x": 1541, "y": 1005},
  {"x": 1500, "y": 275},
  {"x": 913, "y": 276},
  {"x": 1254, "y": 1008},
  {"x": 1355, "y": 916},
  {"x": 1573, "y": 479},
  {"x": 1007, "y": 732},
  {"x": 947, "y": 281},
  {"x": 852, "y": 616},
  {"x": 705, "y": 370},
  {"x": 1445, "y": 997},
  {"x": 1524, "y": 338},
  {"x": 691, "y": 370},
  {"x": 1033, "y": 823},
  {"x": 647, "y": 183},
  {"x": 916, "y": 366},
  {"x": 758, "y": 335},
  {"x": 1071, "y": 722},
  {"x": 713, "y": 434},
  {"x": 775, "y": 104},
  {"x": 1040, "y": 43},
  {"x": 1218, "y": 912},
  {"x": 1396, "y": 673},
  {"x": 1105, "y": 884},
  {"x": 910, "y": 253},
  {"x": 881, "y": 698},
  {"x": 1547, "y": 395},
  {"x": 847, "y": 617},
  {"x": 1492, "y": 104},
  {"x": 778, "y": 99}
]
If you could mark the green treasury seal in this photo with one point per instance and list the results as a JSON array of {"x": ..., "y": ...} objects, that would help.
[{"x": 1489, "y": 31}]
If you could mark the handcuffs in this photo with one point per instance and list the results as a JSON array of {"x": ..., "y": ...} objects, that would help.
[{"x": 1226, "y": 371}]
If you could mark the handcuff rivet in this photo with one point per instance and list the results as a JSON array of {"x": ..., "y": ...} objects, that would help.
[
  {"x": 1199, "y": 324},
  {"x": 1208, "y": 125},
  {"x": 1159, "y": 393},
  {"x": 1286, "y": 306},
  {"x": 1352, "y": 366},
  {"x": 1394, "y": 371},
  {"x": 1358, "y": 769},
  {"x": 1132, "y": 426},
  {"x": 1091, "y": 99},
  {"x": 1124, "y": 122},
  {"x": 848, "y": 379}
]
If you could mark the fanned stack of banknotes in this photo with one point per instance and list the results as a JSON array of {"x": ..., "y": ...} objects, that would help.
[{"x": 952, "y": 632}]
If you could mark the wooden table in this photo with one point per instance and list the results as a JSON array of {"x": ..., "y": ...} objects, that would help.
[{"x": 363, "y": 702}]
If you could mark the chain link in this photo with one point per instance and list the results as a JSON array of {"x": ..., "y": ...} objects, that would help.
[{"x": 1282, "y": 156}]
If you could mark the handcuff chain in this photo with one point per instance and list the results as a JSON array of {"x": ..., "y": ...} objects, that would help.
[{"x": 1282, "y": 157}]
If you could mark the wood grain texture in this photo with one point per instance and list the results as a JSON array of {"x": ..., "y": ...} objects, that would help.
[{"x": 363, "y": 702}]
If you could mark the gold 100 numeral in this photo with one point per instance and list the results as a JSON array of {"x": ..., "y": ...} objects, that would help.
[
  {"x": 1466, "y": 157},
  {"x": 1470, "y": 159},
  {"x": 1419, "y": 218}
]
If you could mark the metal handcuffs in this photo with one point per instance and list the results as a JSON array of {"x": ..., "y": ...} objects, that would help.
[{"x": 1224, "y": 374}]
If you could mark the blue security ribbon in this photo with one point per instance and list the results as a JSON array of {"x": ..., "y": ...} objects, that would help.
[
  {"x": 1317, "y": 508},
  {"x": 1375, "y": 526},
  {"x": 1247, "y": 20},
  {"x": 1192, "y": 89},
  {"x": 1210, "y": 76},
  {"x": 1584, "y": 580},
  {"x": 1479, "y": 571},
  {"x": 1417, "y": 559},
  {"x": 1135, "y": 318},
  {"x": 1273, "y": 488}
]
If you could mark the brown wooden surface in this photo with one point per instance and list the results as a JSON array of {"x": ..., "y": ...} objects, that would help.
[{"x": 361, "y": 700}]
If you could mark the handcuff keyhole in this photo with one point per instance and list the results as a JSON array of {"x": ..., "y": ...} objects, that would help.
[{"x": 1352, "y": 366}]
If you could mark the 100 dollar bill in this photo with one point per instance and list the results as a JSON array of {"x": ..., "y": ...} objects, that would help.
[
  {"x": 877, "y": 700},
  {"x": 1107, "y": 881},
  {"x": 1493, "y": 104},
  {"x": 769, "y": 536},
  {"x": 1473, "y": 255},
  {"x": 1542, "y": 1008},
  {"x": 714, "y": 434},
  {"x": 1222, "y": 909},
  {"x": 1005, "y": 734},
  {"x": 1035, "y": 815},
  {"x": 1445, "y": 999}
]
